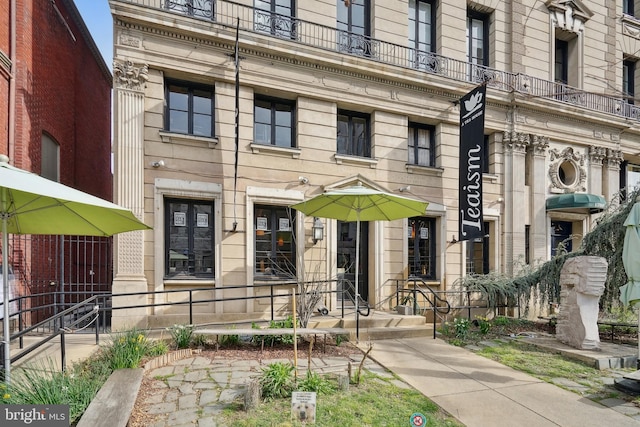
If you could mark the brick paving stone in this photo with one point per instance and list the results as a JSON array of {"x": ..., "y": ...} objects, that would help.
[
  {"x": 229, "y": 395},
  {"x": 221, "y": 378},
  {"x": 162, "y": 371},
  {"x": 195, "y": 376},
  {"x": 621, "y": 406}
]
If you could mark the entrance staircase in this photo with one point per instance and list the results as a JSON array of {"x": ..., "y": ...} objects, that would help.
[{"x": 379, "y": 325}]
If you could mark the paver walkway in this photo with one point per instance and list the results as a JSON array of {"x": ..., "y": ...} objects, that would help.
[{"x": 195, "y": 390}]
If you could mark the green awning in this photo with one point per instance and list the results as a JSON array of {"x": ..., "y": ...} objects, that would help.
[{"x": 576, "y": 202}]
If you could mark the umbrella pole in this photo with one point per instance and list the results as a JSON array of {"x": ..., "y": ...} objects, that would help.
[
  {"x": 357, "y": 280},
  {"x": 5, "y": 299}
]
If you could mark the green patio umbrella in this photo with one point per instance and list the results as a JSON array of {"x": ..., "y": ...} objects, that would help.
[
  {"x": 358, "y": 203},
  {"x": 630, "y": 292},
  {"x": 31, "y": 204}
]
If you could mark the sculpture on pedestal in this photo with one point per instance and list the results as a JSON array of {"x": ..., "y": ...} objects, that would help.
[{"x": 581, "y": 285}]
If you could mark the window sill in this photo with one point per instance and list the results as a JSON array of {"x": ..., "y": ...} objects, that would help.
[
  {"x": 272, "y": 149},
  {"x": 425, "y": 170},
  {"x": 170, "y": 137},
  {"x": 492, "y": 178},
  {"x": 355, "y": 160},
  {"x": 190, "y": 282}
]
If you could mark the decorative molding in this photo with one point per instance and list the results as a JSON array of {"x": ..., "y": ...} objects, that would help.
[
  {"x": 539, "y": 145},
  {"x": 570, "y": 15},
  {"x": 614, "y": 158},
  {"x": 129, "y": 40},
  {"x": 355, "y": 160},
  {"x": 128, "y": 75},
  {"x": 516, "y": 142},
  {"x": 597, "y": 154},
  {"x": 424, "y": 170},
  {"x": 630, "y": 26},
  {"x": 174, "y": 138},
  {"x": 294, "y": 153},
  {"x": 567, "y": 157}
]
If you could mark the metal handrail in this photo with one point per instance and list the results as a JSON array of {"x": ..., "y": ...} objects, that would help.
[
  {"x": 58, "y": 331},
  {"x": 230, "y": 14}
]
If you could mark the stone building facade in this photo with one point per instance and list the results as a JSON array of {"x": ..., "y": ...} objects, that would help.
[{"x": 330, "y": 93}]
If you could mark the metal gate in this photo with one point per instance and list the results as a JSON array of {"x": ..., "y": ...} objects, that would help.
[{"x": 51, "y": 273}]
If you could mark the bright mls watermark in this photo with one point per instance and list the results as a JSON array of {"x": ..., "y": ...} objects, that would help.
[{"x": 34, "y": 415}]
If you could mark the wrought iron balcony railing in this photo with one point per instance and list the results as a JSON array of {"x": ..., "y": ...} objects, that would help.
[{"x": 230, "y": 14}]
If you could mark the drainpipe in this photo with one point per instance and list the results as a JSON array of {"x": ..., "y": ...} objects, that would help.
[{"x": 11, "y": 147}]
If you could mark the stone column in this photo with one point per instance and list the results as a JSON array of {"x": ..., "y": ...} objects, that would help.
[
  {"x": 611, "y": 178},
  {"x": 515, "y": 147},
  {"x": 537, "y": 203},
  {"x": 128, "y": 146},
  {"x": 596, "y": 156}
]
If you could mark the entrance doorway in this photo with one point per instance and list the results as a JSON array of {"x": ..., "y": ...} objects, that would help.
[
  {"x": 561, "y": 234},
  {"x": 347, "y": 262}
]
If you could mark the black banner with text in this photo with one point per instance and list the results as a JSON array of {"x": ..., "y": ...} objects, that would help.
[{"x": 472, "y": 107}]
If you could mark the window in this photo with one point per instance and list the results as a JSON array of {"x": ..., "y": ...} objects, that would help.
[
  {"x": 478, "y": 253},
  {"x": 275, "y": 17},
  {"x": 189, "y": 239},
  {"x": 628, "y": 80},
  {"x": 629, "y": 178},
  {"x": 50, "y": 158},
  {"x": 274, "y": 122},
  {"x": 353, "y": 134},
  {"x": 422, "y": 34},
  {"x": 477, "y": 44},
  {"x": 562, "y": 61},
  {"x": 197, "y": 8},
  {"x": 421, "y": 145},
  {"x": 422, "y": 247},
  {"x": 189, "y": 109},
  {"x": 275, "y": 241},
  {"x": 527, "y": 244},
  {"x": 353, "y": 27},
  {"x": 628, "y": 7}
]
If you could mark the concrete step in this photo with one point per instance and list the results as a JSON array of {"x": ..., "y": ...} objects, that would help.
[
  {"x": 384, "y": 333},
  {"x": 383, "y": 321}
]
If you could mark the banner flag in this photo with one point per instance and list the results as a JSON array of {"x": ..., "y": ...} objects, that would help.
[{"x": 472, "y": 107}]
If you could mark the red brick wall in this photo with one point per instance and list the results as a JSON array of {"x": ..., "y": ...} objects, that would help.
[{"x": 62, "y": 91}]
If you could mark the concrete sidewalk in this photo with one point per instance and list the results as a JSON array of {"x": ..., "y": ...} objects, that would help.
[{"x": 482, "y": 393}]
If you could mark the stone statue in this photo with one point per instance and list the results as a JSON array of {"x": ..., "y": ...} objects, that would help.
[{"x": 581, "y": 285}]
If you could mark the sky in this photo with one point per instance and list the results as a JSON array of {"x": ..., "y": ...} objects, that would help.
[{"x": 97, "y": 17}]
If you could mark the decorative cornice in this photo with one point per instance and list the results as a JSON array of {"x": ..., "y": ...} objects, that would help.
[
  {"x": 128, "y": 75},
  {"x": 244, "y": 51},
  {"x": 597, "y": 154}
]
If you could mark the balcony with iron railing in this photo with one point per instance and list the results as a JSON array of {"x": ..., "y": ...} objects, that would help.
[{"x": 251, "y": 19}]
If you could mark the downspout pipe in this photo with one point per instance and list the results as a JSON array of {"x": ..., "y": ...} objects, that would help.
[{"x": 11, "y": 147}]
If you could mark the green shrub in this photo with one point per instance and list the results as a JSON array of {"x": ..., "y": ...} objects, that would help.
[
  {"x": 200, "y": 340},
  {"x": 501, "y": 321},
  {"x": 127, "y": 349},
  {"x": 461, "y": 326},
  {"x": 271, "y": 340},
  {"x": 483, "y": 324},
  {"x": 181, "y": 335},
  {"x": 316, "y": 383},
  {"x": 158, "y": 348},
  {"x": 42, "y": 383},
  {"x": 277, "y": 380}
]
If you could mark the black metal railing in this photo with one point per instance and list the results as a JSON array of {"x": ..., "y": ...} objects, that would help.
[{"x": 247, "y": 18}]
